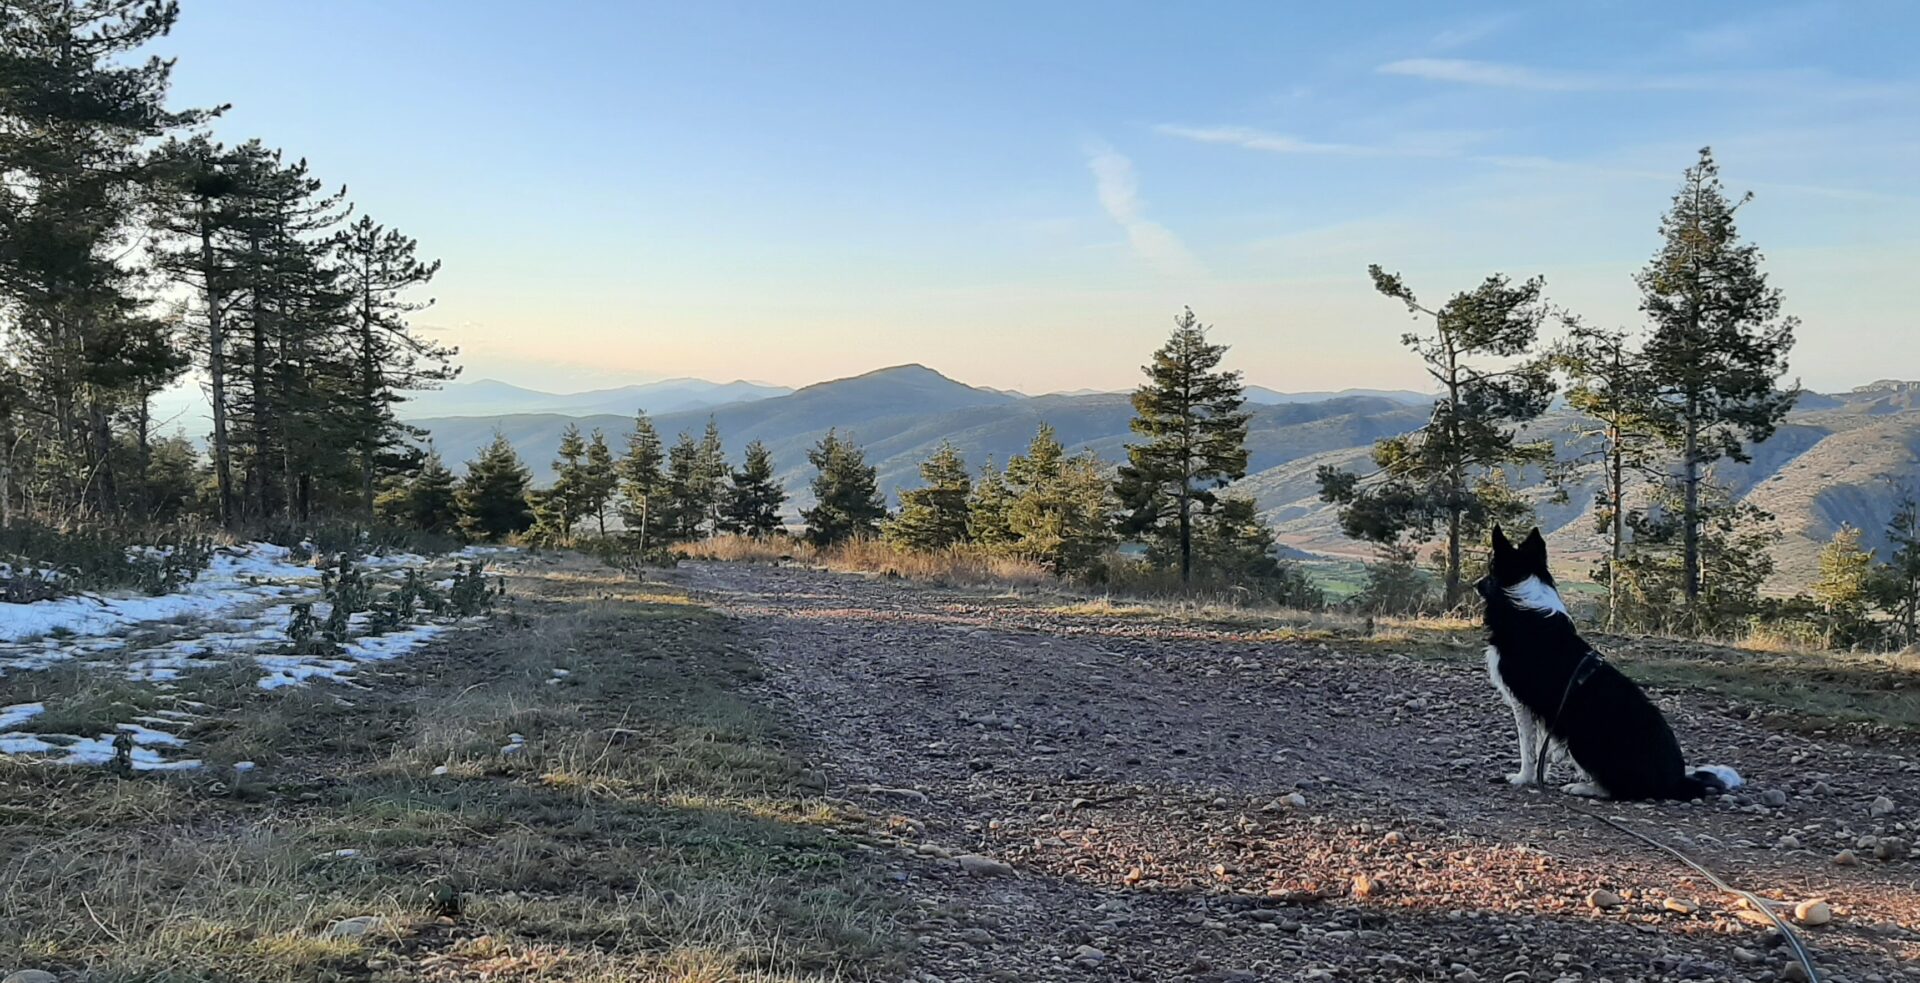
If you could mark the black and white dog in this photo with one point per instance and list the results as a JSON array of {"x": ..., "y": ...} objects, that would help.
[{"x": 1567, "y": 698}]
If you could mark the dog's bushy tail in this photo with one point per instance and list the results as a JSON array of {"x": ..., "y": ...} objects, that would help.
[{"x": 1710, "y": 780}]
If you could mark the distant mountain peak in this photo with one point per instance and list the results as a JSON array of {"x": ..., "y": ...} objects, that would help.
[{"x": 908, "y": 369}]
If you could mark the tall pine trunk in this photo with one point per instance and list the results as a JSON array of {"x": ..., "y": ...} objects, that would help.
[
  {"x": 1186, "y": 537},
  {"x": 217, "y": 376},
  {"x": 369, "y": 392},
  {"x": 1456, "y": 478},
  {"x": 1690, "y": 536},
  {"x": 1616, "y": 477},
  {"x": 262, "y": 426},
  {"x": 106, "y": 494}
]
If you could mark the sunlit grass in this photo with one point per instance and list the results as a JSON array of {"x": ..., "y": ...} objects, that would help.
[{"x": 649, "y": 824}]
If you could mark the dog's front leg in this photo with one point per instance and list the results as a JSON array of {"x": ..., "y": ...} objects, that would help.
[{"x": 1529, "y": 728}]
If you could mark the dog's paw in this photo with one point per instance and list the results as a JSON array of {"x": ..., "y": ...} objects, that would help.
[
  {"x": 1522, "y": 779},
  {"x": 1586, "y": 790}
]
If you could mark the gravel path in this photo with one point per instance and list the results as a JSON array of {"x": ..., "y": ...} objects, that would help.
[{"x": 1088, "y": 798}]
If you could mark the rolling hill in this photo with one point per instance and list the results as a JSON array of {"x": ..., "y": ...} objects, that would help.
[
  {"x": 1829, "y": 463},
  {"x": 490, "y": 397}
]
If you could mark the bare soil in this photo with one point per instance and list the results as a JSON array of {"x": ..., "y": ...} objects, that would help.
[{"x": 1134, "y": 778}]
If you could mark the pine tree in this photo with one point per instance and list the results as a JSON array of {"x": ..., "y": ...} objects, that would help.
[
  {"x": 1395, "y": 584},
  {"x": 1060, "y": 507},
  {"x": 935, "y": 515},
  {"x": 710, "y": 485},
  {"x": 1734, "y": 544},
  {"x": 687, "y": 491},
  {"x": 1235, "y": 549},
  {"x": 285, "y": 334},
  {"x": 987, "y": 508},
  {"x": 493, "y": 495},
  {"x": 1190, "y": 413},
  {"x": 1718, "y": 347},
  {"x": 1896, "y": 583},
  {"x": 559, "y": 508},
  {"x": 1844, "y": 587},
  {"x": 1609, "y": 385},
  {"x": 389, "y": 358},
  {"x": 167, "y": 485},
  {"x": 753, "y": 496},
  {"x": 643, "y": 485},
  {"x": 847, "y": 502},
  {"x": 77, "y": 113},
  {"x": 1429, "y": 479},
  {"x": 425, "y": 500},
  {"x": 599, "y": 481},
  {"x": 196, "y": 189}
]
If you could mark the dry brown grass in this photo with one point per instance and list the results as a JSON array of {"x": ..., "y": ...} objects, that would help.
[
  {"x": 956, "y": 565},
  {"x": 651, "y": 827}
]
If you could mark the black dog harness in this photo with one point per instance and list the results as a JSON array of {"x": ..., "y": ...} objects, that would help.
[{"x": 1589, "y": 664}]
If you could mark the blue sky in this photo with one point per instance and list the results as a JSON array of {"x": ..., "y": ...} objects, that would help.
[{"x": 1023, "y": 195}]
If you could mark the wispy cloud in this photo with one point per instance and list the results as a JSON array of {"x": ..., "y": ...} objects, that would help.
[
  {"x": 1439, "y": 144},
  {"x": 1119, "y": 191},
  {"x": 1252, "y": 139},
  {"x": 1800, "y": 84},
  {"x": 1458, "y": 146},
  {"x": 1465, "y": 34},
  {"x": 1497, "y": 75}
]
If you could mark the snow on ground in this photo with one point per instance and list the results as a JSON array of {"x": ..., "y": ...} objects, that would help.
[
  {"x": 238, "y": 607},
  {"x": 20, "y": 713}
]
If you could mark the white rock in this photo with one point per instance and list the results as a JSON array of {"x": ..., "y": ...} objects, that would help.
[
  {"x": 1881, "y": 806},
  {"x": 1812, "y": 913}
]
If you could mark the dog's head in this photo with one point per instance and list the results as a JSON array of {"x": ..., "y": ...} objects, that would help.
[{"x": 1518, "y": 575}]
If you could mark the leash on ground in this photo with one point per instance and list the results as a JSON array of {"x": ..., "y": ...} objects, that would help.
[
  {"x": 1758, "y": 903},
  {"x": 1588, "y": 664}
]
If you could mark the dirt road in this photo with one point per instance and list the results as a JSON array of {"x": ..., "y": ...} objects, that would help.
[{"x": 1177, "y": 804}]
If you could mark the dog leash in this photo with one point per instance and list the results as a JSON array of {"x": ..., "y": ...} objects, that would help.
[
  {"x": 1589, "y": 664},
  {"x": 1758, "y": 903}
]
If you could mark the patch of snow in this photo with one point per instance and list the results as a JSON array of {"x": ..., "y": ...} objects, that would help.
[
  {"x": 19, "y": 713},
  {"x": 234, "y": 579},
  {"x": 143, "y": 736},
  {"x": 89, "y": 751},
  {"x": 239, "y": 607}
]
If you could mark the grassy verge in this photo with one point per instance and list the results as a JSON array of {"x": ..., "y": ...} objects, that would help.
[
  {"x": 1800, "y": 690},
  {"x": 585, "y": 793}
]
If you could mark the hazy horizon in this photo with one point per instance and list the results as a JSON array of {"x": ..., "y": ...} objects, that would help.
[{"x": 763, "y": 192}]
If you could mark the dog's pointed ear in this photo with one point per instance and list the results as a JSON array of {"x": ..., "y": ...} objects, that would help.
[
  {"x": 1500, "y": 544},
  {"x": 1535, "y": 546}
]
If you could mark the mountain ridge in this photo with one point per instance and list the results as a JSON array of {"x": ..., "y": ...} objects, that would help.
[{"x": 1827, "y": 464}]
